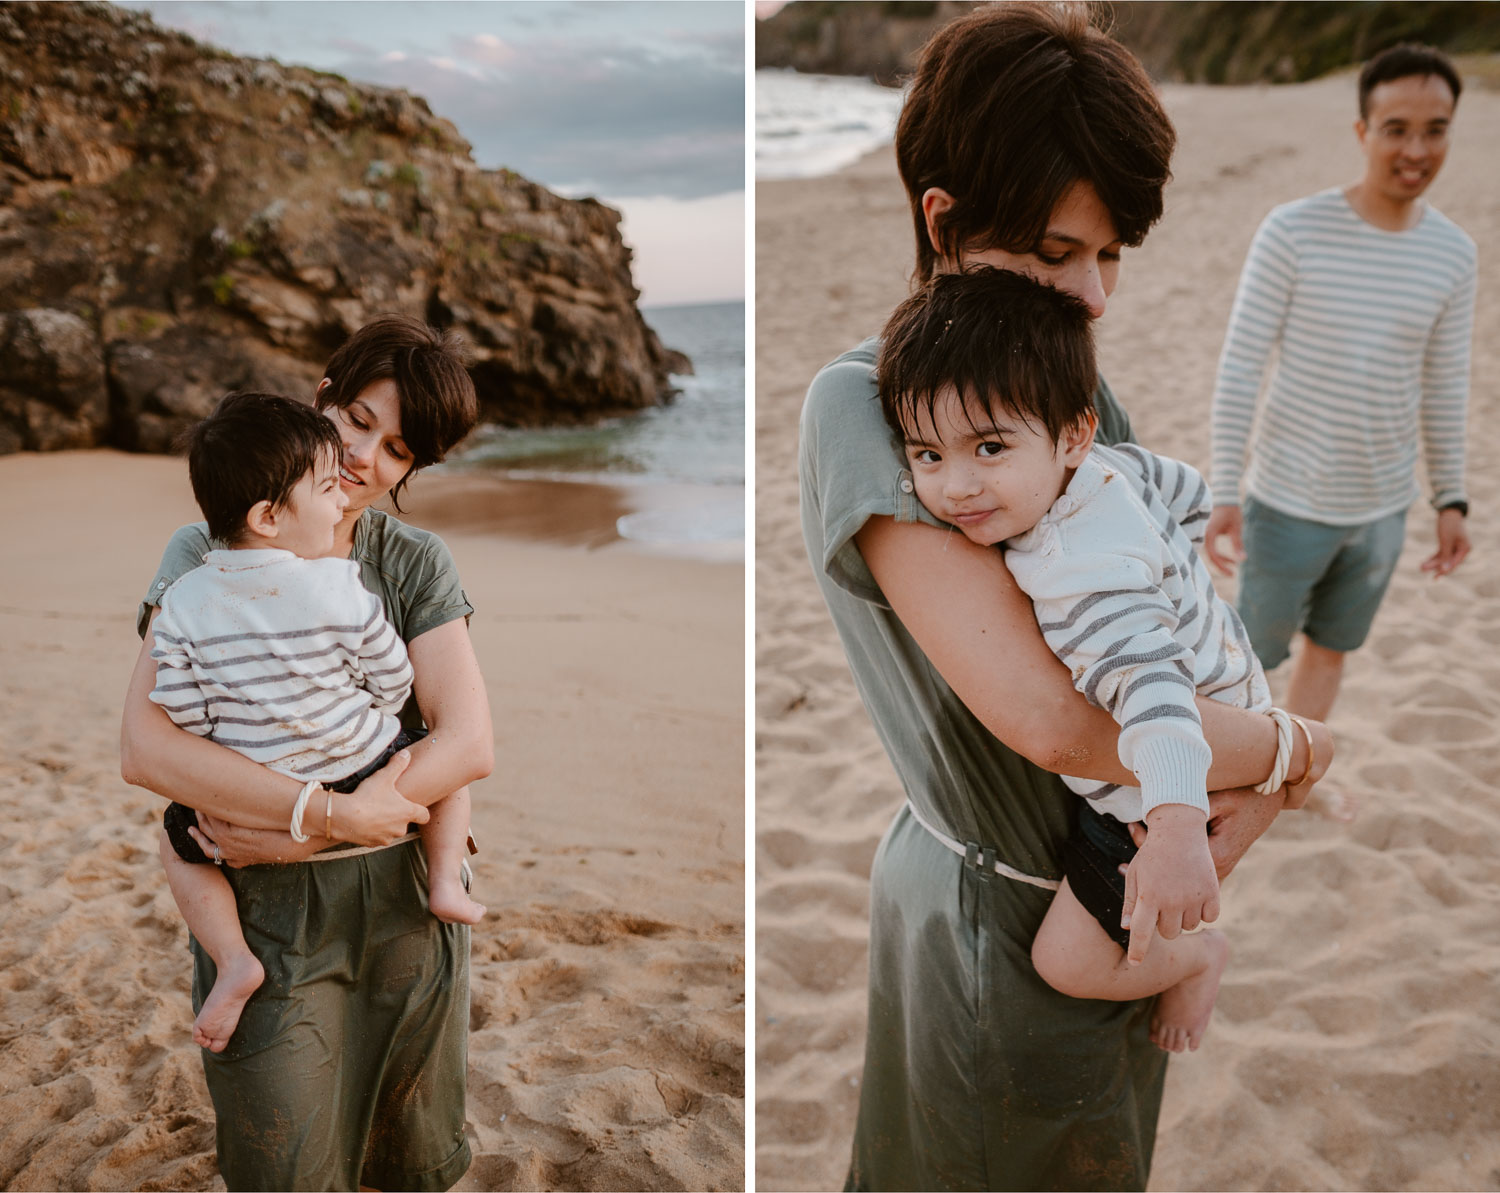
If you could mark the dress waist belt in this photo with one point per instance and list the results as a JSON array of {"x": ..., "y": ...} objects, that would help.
[{"x": 982, "y": 858}]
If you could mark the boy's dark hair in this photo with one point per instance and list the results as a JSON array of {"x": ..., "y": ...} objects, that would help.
[
  {"x": 438, "y": 404},
  {"x": 254, "y": 447},
  {"x": 1012, "y": 104},
  {"x": 1005, "y": 342},
  {"x": 1403, "y": 61}
]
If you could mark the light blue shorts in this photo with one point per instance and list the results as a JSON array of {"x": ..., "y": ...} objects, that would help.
[{"x": 1326, "y": 581}]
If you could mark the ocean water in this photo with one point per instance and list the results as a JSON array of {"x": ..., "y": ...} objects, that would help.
[
  {"x": 809, "y": 125},
  {"x": 696, "y": 440}
]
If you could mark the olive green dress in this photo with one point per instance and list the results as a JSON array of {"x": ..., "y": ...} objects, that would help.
[
  {"x": 349, "y": 1063},
  {"x": 977, "y": 1074}
]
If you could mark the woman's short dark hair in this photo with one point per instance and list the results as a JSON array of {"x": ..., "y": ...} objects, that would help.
[
  {"x": 254, "y": 447},
  {"x": 1403, "y": 61},
  {"x": 1010, "y": 106},
  {"x": 438, "y": 404},
  {"x": 1005, "y": 342}
]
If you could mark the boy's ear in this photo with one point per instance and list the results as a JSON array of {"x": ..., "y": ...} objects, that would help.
[
  {"x": 261, "y": 520},
  {"x": 1078, "y": 439}
]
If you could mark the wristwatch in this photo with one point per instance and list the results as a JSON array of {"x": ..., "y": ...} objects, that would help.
[{"x": 1461, "y": 506}]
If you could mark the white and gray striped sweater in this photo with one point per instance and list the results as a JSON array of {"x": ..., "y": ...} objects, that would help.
[
  {"x": 1372, "y": 329},
  {"x": 289, "y": 661},
  {"x": 1124, "y": 600}
]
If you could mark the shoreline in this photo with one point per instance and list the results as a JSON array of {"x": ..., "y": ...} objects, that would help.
[{"x": 585, "y": 512}]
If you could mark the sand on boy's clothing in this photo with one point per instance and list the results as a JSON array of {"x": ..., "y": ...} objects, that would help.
[
  {"x": 1356, "y": 1044},
  {"x": 607, "y": 982}
]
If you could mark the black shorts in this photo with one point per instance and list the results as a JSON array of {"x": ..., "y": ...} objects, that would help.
[
  {"x": 1092, "y": 858},
  {"x": 178, "y": 818}
]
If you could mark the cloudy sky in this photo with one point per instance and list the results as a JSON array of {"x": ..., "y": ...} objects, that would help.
[{"x": 640, "y": 104}]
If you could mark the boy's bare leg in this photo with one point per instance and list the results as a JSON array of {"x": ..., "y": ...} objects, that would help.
[
  {"x": 446, "y": 838},
  {"x": 1076, "y": 957},
  {"x": 1310, "y": 692},
  {"x": 204, "y": 897}
]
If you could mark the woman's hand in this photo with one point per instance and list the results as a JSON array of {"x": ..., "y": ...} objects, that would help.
[
  {"x": 374, "y": 813},
  {"x": 249, "y": 846}
]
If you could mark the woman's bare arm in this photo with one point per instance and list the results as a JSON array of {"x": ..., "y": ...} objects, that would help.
[
  {"x": 459, "y": 748},
  {"x": 160, "y": 756},
  {"x": 976, "y": 626}
]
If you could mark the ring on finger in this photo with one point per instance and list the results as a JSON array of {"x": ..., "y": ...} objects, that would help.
[{"x": 218, "y": 857}]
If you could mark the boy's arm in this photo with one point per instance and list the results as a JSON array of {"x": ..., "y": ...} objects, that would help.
[
  {"x": 177, "y": 691},
  {"x": 384, "y": 668},
  {"x": 1105, "y": 616}
]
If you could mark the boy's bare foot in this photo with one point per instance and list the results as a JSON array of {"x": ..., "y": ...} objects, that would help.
[
  {"x": 1332, "y": 804},
  {"x": 1183, "y": 1010},
  {"x": 447, "y": 899},
  {"x": 238, "y": 979}
]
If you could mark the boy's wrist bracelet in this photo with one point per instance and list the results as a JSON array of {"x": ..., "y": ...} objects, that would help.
[
  {"x": 1312, "y": 754},
  {"x": 299, "y": 809},
  {"x": 328, "y": 814}
]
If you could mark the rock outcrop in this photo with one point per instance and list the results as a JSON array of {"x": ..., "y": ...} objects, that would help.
[
  {"x": 176, "y": 222},
  {"x": 1191, "y": 41}
]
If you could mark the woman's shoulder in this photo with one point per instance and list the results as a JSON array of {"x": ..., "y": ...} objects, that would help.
[
  {"x": 184, "y": 553},
  {"x": 396, "y": 547}
]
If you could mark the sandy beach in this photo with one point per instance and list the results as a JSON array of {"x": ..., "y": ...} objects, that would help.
[
  {"x": 607, "y": 1021},
  {"x": 1356, "y": 1043}
]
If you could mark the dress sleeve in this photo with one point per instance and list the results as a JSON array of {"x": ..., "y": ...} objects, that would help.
[
  {"x": 851, "y": 470},
  {"x": 431, "y": 590},
  {"x": 1101, "y": 607},
  {"x": 185, "y": 551}
]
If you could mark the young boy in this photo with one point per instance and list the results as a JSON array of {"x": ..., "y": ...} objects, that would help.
[
  {"x": 282, "y": 654},
  {"x": 987, "y": 377}
]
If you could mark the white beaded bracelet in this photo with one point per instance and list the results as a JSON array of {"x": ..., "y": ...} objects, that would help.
[
  {"x": 1283, "y": 752},
  {"x": 300, "y": 807}
]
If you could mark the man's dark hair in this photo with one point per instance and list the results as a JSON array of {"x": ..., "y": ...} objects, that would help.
[
  {"x": 438, "y": 404},
  {"x": 254, "y": 447},
  {"x": 1401, "y": 62},
  {"x": 1004, "y": 342},
  {"x": 1010, "y": 106}
]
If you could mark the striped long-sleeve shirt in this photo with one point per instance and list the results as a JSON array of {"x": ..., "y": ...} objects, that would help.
[
  {"x": 1124, "y": 600},
  {"x": 1371, "y": 330},
  {"x": 289, "y": 661}
]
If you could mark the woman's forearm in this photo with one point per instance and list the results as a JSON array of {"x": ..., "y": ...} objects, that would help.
[
  {"x": 459, "y": 746},
  {"x": 977, "y": 628}
]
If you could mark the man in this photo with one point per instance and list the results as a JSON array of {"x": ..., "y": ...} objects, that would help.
[{"x": 1368, "y": 294}]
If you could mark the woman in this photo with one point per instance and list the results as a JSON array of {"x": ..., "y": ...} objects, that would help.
[
  {"x": 348, "y": 1066},
  {"x": 1027, "y": 141}
]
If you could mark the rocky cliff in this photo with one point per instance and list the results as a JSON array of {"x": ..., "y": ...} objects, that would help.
[
  {"x": 1193, "y": 41},
  {"x": 176, "y": 222}
]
